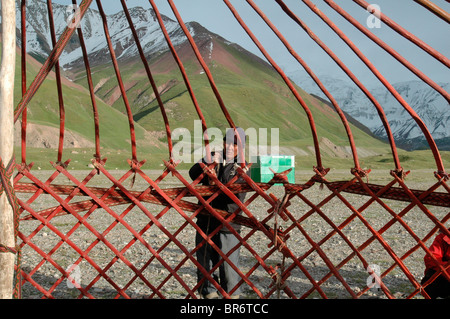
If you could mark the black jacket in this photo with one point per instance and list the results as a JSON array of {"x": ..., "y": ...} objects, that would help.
[{"x": 222, "y": 201}]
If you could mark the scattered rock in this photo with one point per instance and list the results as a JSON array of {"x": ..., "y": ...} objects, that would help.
[{"x": 116, "y": 234}]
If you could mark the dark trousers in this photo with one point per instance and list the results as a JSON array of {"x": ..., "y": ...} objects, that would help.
[
  {"x": 208, "y": 257},
  {"x": 440, "y": 287}
]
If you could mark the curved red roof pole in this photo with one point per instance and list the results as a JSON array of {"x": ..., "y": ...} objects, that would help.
[
  {"x": 389, "y": 49},
  {"x": 49, "y": 63},
  {"x": 185, "y": 78},
  {"x": 119, "y": 80},
  {"x": 150, "y": 77},
  {"x": 406, "y": 34},
  {"x": 398, "y": 97},
  {"x": 315, "y": 78},
  {"x": 352, "y": 77},
  {"x": 286, "y": 80}
]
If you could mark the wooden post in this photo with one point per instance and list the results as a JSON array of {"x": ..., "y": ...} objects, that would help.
[{"x": 7, "y": 141}]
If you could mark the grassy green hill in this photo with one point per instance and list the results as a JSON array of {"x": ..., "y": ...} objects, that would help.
[{"x": 43, "y": 110}]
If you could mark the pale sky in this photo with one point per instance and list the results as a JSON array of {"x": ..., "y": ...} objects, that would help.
[{"x": 215, "y": 16}]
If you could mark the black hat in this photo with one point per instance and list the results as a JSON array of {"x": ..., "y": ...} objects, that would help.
[{"x": 231, "y": 136}]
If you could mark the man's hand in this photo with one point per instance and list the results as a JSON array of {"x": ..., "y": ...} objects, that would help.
[{"x": 217, "y": 158}]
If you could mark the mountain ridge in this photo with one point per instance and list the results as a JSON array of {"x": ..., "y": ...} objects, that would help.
[
  {"x": 254, "y": 93},
  {"x": 427, "y": 103},
  {"x": 39, "y": 41}
]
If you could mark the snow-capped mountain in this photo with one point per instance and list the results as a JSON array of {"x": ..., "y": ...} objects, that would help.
[
  {"x": 39, "y": 42},
  {"x": 426, "y": 102}
]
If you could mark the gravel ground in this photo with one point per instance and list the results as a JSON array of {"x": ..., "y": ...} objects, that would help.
[{"x": 44, "y": 273}]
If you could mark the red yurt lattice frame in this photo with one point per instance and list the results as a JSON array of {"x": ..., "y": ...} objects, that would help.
[{"x": 281, "y": 261}]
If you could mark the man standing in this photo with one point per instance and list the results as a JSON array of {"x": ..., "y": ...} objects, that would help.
[{"x": 207, "y": 256}]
